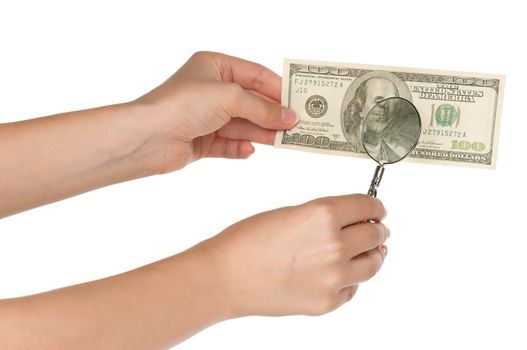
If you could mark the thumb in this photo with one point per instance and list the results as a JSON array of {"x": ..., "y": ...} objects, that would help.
[{"x": 263, "y": 112}]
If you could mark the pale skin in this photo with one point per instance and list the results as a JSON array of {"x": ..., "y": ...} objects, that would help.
[{"x": 307, "y": 259}]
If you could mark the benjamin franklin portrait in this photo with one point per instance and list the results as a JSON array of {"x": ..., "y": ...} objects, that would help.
[
  {"x": 360, "y": 98},
  {"x": 391, "y": 130}
]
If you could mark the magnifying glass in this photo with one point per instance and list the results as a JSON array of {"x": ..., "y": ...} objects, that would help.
[{"x": 390, "y": 131}]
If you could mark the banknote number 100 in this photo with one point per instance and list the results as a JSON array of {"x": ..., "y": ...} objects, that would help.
[{"x": 467, "y": 145}]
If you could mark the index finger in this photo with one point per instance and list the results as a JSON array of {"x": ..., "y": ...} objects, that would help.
[
  {"x": 355, "y": 208},
  {"x": 249, "y": 75}
]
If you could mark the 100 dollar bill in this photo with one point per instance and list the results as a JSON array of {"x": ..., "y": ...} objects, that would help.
[{"x": 460, "y": 112}]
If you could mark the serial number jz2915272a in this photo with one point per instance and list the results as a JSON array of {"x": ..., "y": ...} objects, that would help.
[
  {"x": 447, "y": 133},
  {"x": 318, "y": 83}
]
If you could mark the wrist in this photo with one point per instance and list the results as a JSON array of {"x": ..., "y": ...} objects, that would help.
[
  {"x": 220, "y": 266},
  {"x": 142, "y": 145},
  {"x": 192, "y": 278}
]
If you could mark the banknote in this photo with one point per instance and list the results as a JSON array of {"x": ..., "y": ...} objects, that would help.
[{"x": 460, "y": 112}]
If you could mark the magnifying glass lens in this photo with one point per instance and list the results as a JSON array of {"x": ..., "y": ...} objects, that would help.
[{"x": 390, "y": 131}]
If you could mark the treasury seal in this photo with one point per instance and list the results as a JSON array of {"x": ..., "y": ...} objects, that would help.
[{"x": 316, "y": 106}]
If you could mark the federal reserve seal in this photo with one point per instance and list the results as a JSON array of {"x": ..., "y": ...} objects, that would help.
[{"x": 316, "y": 106}]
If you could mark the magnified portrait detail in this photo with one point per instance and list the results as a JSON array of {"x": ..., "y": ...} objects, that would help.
[{"x": 391, "y": 130}]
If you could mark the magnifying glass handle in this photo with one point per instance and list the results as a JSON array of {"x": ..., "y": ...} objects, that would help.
[{"x": 377, "y": 177}]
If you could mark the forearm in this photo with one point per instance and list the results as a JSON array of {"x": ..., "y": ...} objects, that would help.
[
  {"x": 51, "y": 158},
  {"x": 153, "y": 307}
]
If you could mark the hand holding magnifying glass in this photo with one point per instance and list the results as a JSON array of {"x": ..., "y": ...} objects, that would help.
[{"x": 390, "y": 131}]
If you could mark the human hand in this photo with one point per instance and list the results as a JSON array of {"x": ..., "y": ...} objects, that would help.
[
  {"x": 306, "y": 259},
  {"x": 214, "y": 106}
]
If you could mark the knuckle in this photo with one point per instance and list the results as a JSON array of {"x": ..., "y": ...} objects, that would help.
[
  {"x": 373, "y": 266},
  {"x": 350, "y": 293},
  {"x": 377, "y": 233},
  {"x": 259, "y": 78},
  {"x": 337, "y": 251},
  {"x": 234, "y": 88},
  {"x": 387, "y": 233},
  {"x": 383, "y": 208},
  {"x": 378, "y": 206},
  {"x": 234, "y": 92},
  {"x": 201, "y": 55},
  {"x": 324, "y": 210},
  {"x": 333, "y": 280},
  {"x": 369, "y": 205}
]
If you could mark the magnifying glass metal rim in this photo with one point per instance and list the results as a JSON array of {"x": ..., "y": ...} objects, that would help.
[{"x": 363, "y": 126}]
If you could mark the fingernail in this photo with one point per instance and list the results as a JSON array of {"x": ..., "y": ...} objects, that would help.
[{"x": 288, "y": 116}]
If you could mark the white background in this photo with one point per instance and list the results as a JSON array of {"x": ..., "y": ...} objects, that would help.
[{"x": 456, "y": 269}]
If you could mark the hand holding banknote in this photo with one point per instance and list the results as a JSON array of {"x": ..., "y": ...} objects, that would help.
[
  {"x": 214, "y": 106},
  {"x": 305, "y": 259}
]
